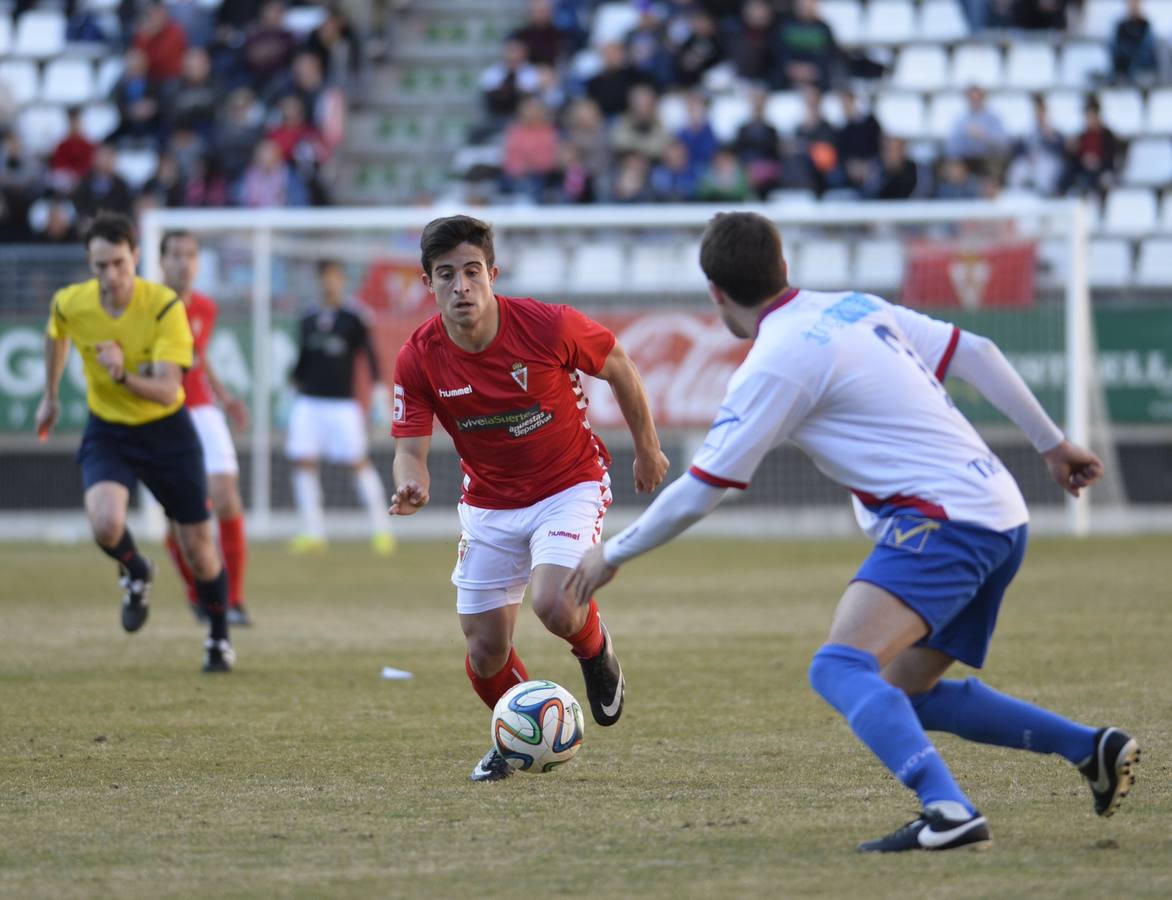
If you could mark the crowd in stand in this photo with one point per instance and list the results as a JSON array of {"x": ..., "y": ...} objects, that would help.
[
  {"x": 569, "y": 138},
  {"x": 240, "y": 110}
]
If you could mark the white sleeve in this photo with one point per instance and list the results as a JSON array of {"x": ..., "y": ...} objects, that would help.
[
  {"x": 754, "y": 417},
  {"x": 933, "y": 340},
  {"x": 981, "y": 363},
  {"x": 684, "y": 502}
]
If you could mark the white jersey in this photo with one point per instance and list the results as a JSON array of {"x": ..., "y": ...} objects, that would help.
[{"x": 855, "y": 382}]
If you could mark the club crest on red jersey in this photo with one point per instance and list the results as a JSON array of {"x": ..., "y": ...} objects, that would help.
[{"x": 520, "y": 375}]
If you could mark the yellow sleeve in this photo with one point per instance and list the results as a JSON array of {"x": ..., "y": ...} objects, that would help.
[
  {"x": 173, "y": 341},
  {"x": 57, "y": 327}
]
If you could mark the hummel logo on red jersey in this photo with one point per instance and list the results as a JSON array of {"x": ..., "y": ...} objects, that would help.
[
  {"x": 520, "y": 375},
  {"x": 456, "y": 392}
]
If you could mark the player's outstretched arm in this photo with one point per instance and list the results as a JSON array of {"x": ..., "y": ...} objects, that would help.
[
  {"x": 412, "y": 478},
  {"x": 56, "y": 355},
  {"x": 651, "y": 464},
  {"x": 593, "y": 572},
  {"x": 684, "y": 502},
  {"x": 981, "y": 363},
  {"x": 236, "y": 408},
  {"x": 1073, "y": 467}
]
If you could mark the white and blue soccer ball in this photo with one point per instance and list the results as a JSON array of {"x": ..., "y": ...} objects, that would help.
[{"x": 537, "y": 726}]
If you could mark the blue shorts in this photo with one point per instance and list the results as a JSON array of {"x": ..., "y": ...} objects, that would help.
[
  {"x": 165, "y": 455},
  {"x": 952, "y": 575}
]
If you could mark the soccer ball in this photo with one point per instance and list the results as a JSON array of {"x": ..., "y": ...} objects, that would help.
[{"x": 537, "y": 726}]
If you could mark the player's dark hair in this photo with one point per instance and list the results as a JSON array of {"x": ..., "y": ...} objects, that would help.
[
  {"x": 442, "y": 235},
  {"x": 175, "y": 233},
  {"x": 113, "y": 227},
  {"x": 324, "y": 265},
  {"x": 741, "y": 254}
]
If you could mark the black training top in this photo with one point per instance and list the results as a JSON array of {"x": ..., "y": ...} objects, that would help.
[{"x": 330, "y": 340}]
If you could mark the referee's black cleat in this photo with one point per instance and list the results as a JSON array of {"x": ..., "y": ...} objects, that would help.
[
  {"x": 218, "y": 656},
  {"x": 605, "y": 687},
  {"x": 933, "y": 830},
  {"x": 136, "y": 598},
  {"x": 1110, "y": 770},
  {"x": 493, "y": 767}
]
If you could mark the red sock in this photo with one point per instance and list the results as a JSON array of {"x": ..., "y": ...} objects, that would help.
[
  {"x": 587, "y": 643},
  {"x": 176, "y": 554},
  {"x": 235, "y": 553},
  {"x": 493, "y": 688}
]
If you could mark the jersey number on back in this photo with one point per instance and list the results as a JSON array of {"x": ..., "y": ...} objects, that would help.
[{"x": 892, "y": 340}]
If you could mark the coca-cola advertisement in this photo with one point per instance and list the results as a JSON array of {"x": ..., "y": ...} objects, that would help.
[{"x": 685, "y": 359}]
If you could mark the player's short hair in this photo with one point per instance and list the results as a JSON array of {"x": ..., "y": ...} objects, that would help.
[
  {"x": 741, "y": 254},
  {"x": 175, "y": 233},
  {"x": 442, "y": 235},
  {"x": 113, "y": 227},
  {"x": 324, "y": 265}
]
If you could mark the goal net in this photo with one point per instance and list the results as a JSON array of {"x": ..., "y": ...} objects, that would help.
[{"x": 1012, "y": 270}]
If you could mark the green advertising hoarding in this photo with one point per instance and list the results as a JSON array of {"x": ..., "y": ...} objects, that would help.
[
  {"x": 22, "y": 369},
  {"x": 1134, "y": 363}
]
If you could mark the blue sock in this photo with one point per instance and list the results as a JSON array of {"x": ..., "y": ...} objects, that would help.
[
  {"x": 882, "y": 717},
  {"x": 976, "y": 712}
]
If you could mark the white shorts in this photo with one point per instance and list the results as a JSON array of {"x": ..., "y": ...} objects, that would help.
[
  {"x": 500, "y": 547},
  {"x": 323, "y": 428},
  {"x": 219, "y": 453}
]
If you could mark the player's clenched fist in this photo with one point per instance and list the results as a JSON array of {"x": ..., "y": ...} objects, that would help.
[
  {"x": 1073, "y": 467},
  {"x": 110, "y": 356},
  {"x": 649, "y": 470},
  {"x": 409, "y": 498}
]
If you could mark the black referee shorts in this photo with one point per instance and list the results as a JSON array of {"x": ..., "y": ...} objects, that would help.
[{"x": 165, "y": 455}]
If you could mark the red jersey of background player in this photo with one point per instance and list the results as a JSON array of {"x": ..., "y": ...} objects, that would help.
[
  {"x": 201, "y": 315},
  {"x": 516, "y": 411}
]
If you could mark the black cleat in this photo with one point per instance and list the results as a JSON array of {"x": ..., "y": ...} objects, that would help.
[
  {"x": 136, "y": 599},
  {"x": 933, "y": 830},
  {"x": 1110, "y": 770},
  {"x": 218, "y": 656},
  {"x": 493, "y": 767},
  {"x": 238, "y": 617},
  {"x": 605, "y": 687}
]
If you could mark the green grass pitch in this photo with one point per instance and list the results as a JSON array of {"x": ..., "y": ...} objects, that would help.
[{"x": 125, "y": 772}]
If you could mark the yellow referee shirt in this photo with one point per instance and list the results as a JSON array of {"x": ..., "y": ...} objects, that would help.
[{"x": 153, "y": 328}]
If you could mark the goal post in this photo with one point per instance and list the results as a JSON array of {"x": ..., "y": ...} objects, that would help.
[{"x": 1013, "y": 268}]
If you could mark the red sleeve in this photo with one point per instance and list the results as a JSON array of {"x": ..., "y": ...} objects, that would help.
[
  {"x": 584, "y": 343},
  {"x": 414, "y": 411}
]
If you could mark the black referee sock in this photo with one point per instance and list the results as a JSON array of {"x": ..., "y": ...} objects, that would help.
[
  {"x": 126, "y": 554},
  {"x": 213, "y": 598}
]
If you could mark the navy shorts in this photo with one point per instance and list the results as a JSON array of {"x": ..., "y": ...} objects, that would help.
[
  {"x": 165, "y": 455},
  {"x": 953, "y": 575}
]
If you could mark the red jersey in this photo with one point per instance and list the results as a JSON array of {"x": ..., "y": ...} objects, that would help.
[
  {"x": 201, "y": 315},
  {"x": 516, "y": 411}
]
